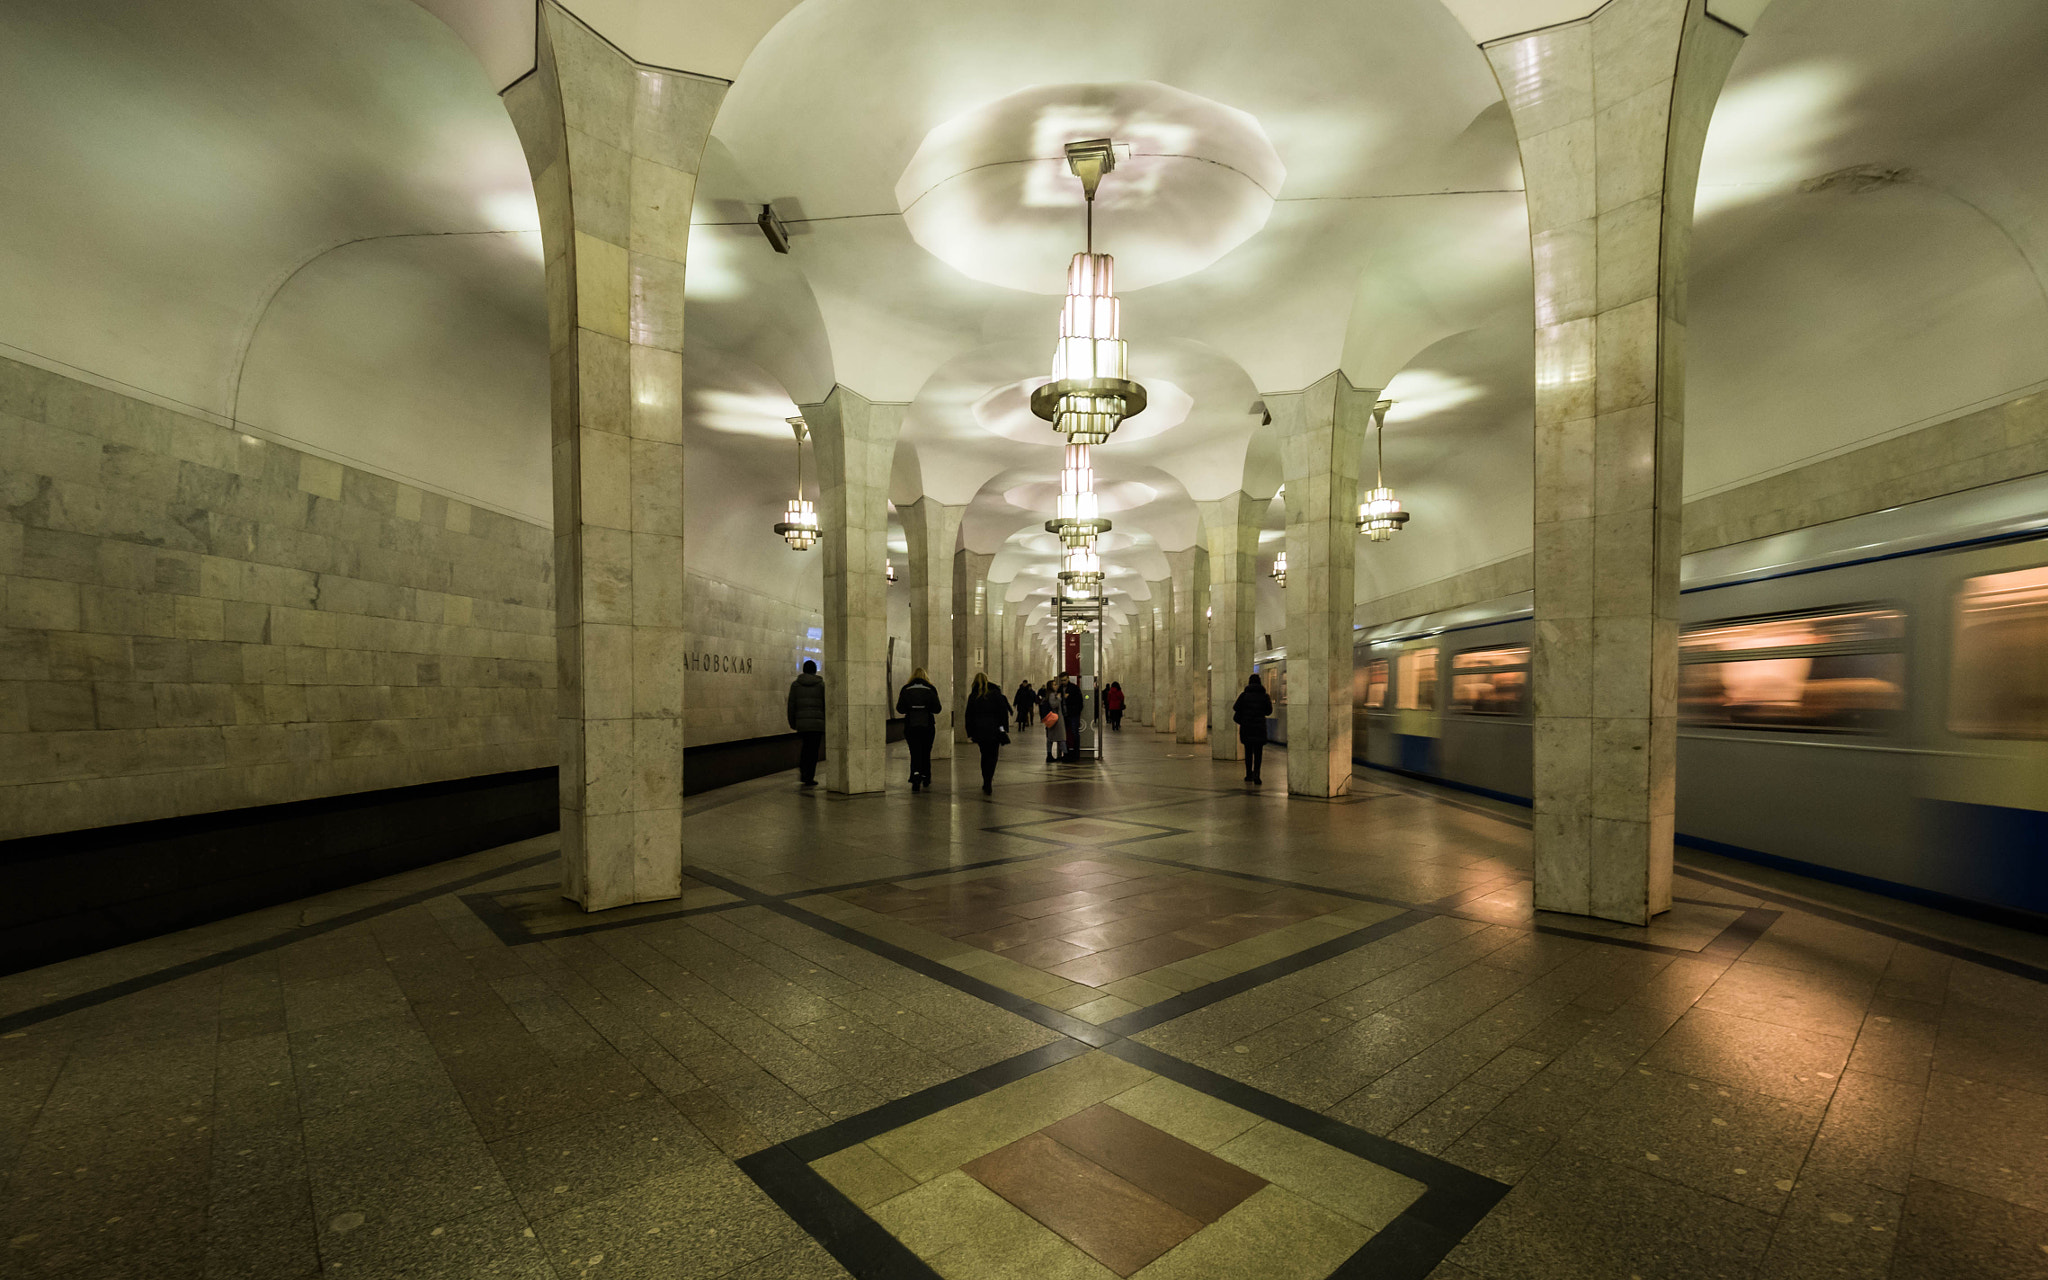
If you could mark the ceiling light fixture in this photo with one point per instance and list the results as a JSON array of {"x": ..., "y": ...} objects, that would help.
[
  {"x": 1280, "y": 571},
  {"x": 1380, "y": 516},
  {"x": 1089, "y": 395},
  {"x": 799, "y": 527},
  {"x": 889, "y": 568},
  {"x": 774, "y": 228}
]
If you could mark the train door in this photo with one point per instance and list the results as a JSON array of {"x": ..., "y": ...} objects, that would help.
[
  {"x": 1372, "y": 705},
  {"x": 1984, "y": 799},
  {"x": 1417, "y": 723}
]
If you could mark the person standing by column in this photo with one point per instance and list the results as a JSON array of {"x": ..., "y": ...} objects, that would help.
[
  {"x": 807, "y": 717},
  {"x": 918, "y": 704},
  {"x": 988, "y": 725},
  {"x": 1113, "y": 705},
  {"x": 1072, "y": 703},
  {"x": 1250, "y": 712}
]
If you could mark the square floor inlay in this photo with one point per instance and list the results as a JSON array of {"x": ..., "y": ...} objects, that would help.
[
  {"x": 1100, "y": 935},
  {"x": 1097, "y": 1167}
]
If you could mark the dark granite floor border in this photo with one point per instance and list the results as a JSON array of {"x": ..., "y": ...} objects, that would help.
[
  {"x": 157, "y": 978},
  {"x": 1409, "y": 1248}
]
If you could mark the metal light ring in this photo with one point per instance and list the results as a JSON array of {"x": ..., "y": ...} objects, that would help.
[
  {"x": 1077, "y": 527},
  {"x": 1129, "y": 395}
]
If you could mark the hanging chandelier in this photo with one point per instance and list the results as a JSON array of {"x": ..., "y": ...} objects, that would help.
[
  {"x": 1280, "y": 569},
  {"x": 1380, "y": 516},
  {"x": 1091, "y": 392},
  {"x": 799, "y": 527},
  {"x": 889, "y": 568}
]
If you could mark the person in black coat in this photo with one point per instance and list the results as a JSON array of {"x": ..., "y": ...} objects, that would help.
[
  {"x": 918, "y": 704},
  {"x": 1250, "y": 712},
  {"x": 1026, "y": 704},
  {"x": 807, "y": 717},
  {"x": 988, "y": 725}
]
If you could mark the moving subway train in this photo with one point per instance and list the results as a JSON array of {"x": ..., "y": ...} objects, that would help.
[{"x": 1865, "y": 700}]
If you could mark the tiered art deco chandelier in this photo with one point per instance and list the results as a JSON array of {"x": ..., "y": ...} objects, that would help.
[
  {"x": 1090, "y": 393},
  {"x": 1380, "y": 516},
  {"x": 1280, "y": 569},
  {"x": 799, "y": 525}
]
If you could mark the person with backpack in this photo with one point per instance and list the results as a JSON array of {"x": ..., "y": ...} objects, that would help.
[
  {"x": 988, "y": 726},
  {"x": 807, "y": 717},
  {"x": 1250, "y": 712},
  {"x": 918, "y": 704}
]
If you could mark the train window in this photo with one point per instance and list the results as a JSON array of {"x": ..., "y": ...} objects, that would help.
[
  {"x": 1418, "y": 681},
  {"x": 1491, "y": 682},
  {"x": 1375, "y": 698},
  {"x": 1998, "y": 683},
  {"x": 1841, "y": 671}
]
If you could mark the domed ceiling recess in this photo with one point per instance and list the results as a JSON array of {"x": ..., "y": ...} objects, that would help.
[{"x": 989, "y": 193}]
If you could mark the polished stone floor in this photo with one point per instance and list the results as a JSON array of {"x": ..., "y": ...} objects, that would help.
[{"x": 1126, "y": 1019}]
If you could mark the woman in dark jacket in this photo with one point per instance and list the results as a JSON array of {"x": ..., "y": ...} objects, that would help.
[
  {"x": 918, "y": 704},
  {"x": 1250, "y": 712},
  {"x": 1026, "y": 704},
  {"x": 988, "y": 724}
]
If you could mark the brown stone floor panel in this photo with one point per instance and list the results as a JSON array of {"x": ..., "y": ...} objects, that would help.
[
  {"x": 1099, "y": 1213},
  {"x": 1184, "y": 1176}
]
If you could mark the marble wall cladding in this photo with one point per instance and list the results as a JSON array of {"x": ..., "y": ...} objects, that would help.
[
  {"x": 1486, "y": 582},
  {"x": 198, "y": 620},
  {"x": 2003, "y": 442},
  {"x": 741, "y": 650}
]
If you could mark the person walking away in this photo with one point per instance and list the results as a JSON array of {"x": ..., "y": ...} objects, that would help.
[
  {"x": 807, "y": 717},
  {"x": 1113, "y": 704},
  {"x": 988, "y": 726},
  {"x": 1071, "y": 706},
  {"x": 1250, "y": 712},
  {"x": 918, "y": 704},
  {"x": 1049, "y": 716},
  {"x": 1027, "y": 704}
]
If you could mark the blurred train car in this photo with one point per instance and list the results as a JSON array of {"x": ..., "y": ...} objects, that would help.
[{"x": 1865, "y": 700}]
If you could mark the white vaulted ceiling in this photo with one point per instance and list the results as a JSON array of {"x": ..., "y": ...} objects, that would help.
[{"x": 314, "y": 220}]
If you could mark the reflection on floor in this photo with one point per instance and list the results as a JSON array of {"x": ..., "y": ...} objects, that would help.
[{"x": 1121, "y": 1020}]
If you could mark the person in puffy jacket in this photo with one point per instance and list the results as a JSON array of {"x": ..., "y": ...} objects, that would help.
[
  {"x": 1073, "y": 703},
  {"x": 988, "y": 724},
  {"x": 1049, "y": 703},
  {"x": 918, "y": 704},
  {"x": 1026, "y": 704},
  {"x": 1250, "y": 712},
  {"x": 807, "y": 717}
]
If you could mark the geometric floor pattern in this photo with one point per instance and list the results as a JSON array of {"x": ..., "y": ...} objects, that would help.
[{"x": 1128, "y": 1020}]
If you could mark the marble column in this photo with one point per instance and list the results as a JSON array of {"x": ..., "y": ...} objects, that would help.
[
  {"x": 613, "y": 147},
  {"x": 1610, "y": 113},
  {"x": 1161, "y": 718},
  {"x": 1190, "y": 644},
  {"x": 1231, "y": 526},
  {"x": 856, "y": 443},
  {"x": 1322, "y": 431},
  {"x": 930, "y": 528},
  {"x": 1138, "y": 689},
  {"x": 970, "y": 623}
]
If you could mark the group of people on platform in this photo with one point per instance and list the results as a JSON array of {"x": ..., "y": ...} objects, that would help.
[{"x": 1057, "y": 706}]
